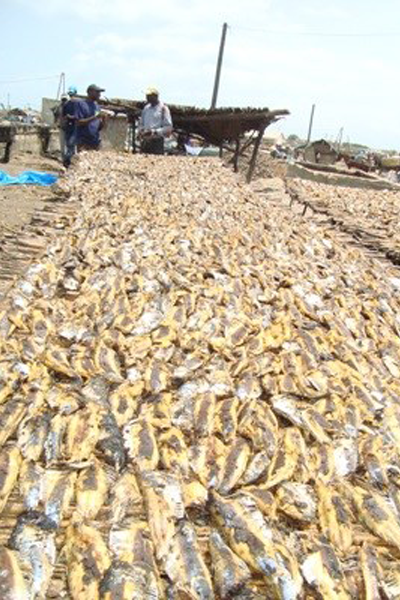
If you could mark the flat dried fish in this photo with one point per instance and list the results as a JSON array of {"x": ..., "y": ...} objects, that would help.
[
  {"x": 91, "y": 490},
  {"x": 10, "y": 462},
  {"x": 82, "y": 435},
  {"x": 235, "y": 465},
  {"x": 249, "y": 537},
  {"x": 190, "y": 354},
  {"x": 230, "y": 573},
  {"x": 297, "y": 500},
  {"x": 125, "y": 497},
  {"x": 11, "y": 413},
  {"x": 12, "y": 583},
  {"x": 58, "y": 494},
  {"x": 87, "y": 559},
  {"x": 140, "y": 441},
  {"x": 323, "y": 572},
  {"x": 34, "y": 539}
]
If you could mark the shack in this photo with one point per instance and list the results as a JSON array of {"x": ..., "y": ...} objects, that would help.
[
  {"x": 222, "y": 127},
  {"x": 320, "y": 152}
]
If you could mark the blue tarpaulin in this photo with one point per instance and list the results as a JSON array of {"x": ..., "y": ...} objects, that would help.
[{"x": 28, "y": 178}]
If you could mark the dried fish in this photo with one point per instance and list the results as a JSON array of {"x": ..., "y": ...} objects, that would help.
[
  {"x": 174, "y": 452},
  {"x": 323, "y": 572},
  {"x": 335, "y": 517},
  {"x": 58, "y": 493},
  {"x": 125, "y": 498},
  {"x": 110, "y": 442},
  {"x": 91, "y": 490},
  {"x": 140, "y": 441},
  {"x": 123, "y": 580},
  {"x": 12, "y": 583},
  {"x": 250, "y": 538},
  {"x": 32, "y": 435},
  {"x": 377, "y": 514},
  {"x": 34, "y": 538},
  {"x": 185, "y": 565},
  {"x": 196, "y": 379},
  {"x": 82, "y": 435},
  {"x": 88, "y": 560},
  {"x": 235, "y": 465},
  {"x": 11, "y": 413},
  {"x": 32, "y": 483},
  {"x": 230, "y": 573},
  {"x": 297, "y": 500},
  {"x": 10, "y": 462}
]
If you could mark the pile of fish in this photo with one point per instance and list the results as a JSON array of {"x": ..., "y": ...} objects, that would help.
[
  {"x": 199, "y": 399},
  {"x": 372, "y": 216}
]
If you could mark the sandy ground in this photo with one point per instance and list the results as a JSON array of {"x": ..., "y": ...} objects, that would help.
[
  {"x": 17, "y": 203},
  {"x": 23, "y": 234}
]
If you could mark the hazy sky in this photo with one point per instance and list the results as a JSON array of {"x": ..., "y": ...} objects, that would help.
[{"x": 275, "y": 56}]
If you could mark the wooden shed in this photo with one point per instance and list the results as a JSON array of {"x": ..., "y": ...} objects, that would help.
[{"x": 320, "y": 152}]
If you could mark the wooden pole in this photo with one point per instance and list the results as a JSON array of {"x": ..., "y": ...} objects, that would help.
[
  {"x": 133, "y": 137},
  {"x": 253, "y": 159},
  {"x": 236, "y": 156},
  {"x": 219, "y": 66},
  {"x": 311, "y": 124}
]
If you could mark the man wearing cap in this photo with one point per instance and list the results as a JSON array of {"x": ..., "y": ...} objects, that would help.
[
  {"x": 89, "y": 121},
  {"x": 155, "y": 124}
]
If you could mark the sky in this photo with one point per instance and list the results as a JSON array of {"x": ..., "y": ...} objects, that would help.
[{"x": 341, "y": 55}]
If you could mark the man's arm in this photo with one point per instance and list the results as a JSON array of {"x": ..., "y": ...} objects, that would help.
[
  {"x": 80, "y": 117},
  {"x": 87, "y": 120},
  {"x": 166, "y": 123},
  {"x": 141, "y": 126},
  {"x": 69, "y": 110}
]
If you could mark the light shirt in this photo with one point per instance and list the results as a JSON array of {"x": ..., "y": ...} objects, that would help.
[{"x": 157, "y": 118}]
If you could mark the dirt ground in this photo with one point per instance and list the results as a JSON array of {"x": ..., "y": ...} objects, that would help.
[
  {"x": 17, "y": 203},
  {"x": 26, "y": 216}
]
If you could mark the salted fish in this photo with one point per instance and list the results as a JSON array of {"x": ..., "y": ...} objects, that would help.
[
  {"x": 230, "y": 573},
  {"x": 34, "y": 539},
  {"x": 91, "y": 490},
  {"x": 251, "y": 540},
  {"x": 12, "y": 583},
  {"x": 88, "y": 560},
  {"x": 10, "y": 463}
]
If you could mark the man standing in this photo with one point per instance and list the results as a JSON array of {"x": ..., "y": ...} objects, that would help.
[
  {"x": 89, "y": 121},
  {"x": 59, "y": 121},
  {"x": 69, "y": 126},
  {"x": 155, "y": 124}
]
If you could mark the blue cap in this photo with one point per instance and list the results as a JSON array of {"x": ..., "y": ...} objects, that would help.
[{"x": 72, "y": 90}]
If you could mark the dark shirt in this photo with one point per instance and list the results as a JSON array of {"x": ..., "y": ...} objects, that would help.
[
  {"x": 68, "y": 109},
  {"x": 88, "y": 134}
]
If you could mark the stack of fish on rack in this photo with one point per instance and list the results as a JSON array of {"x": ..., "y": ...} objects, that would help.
[
  {"x": 371, "y": 216},
  {"x": 199, "y": 399}
]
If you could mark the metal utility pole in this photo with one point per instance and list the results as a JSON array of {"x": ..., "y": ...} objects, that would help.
[
  {"x": 311, "y": 124},
  {"x": 61, "y": 86},
  {"x": 340, "y": 138},
  {"x": 219, "y": 66}
]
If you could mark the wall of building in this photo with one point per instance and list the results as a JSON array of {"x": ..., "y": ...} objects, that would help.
[
  {"x": 28, "y": 138},
  {"x": 115, "y": 134}
]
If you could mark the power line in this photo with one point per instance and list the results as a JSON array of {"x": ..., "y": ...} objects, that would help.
[
  {"x": 25, "y": 79},
  {"x": 318, "y": 34}
]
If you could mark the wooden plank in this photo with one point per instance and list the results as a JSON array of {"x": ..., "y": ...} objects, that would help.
[{"x": 253, "y": 159}]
